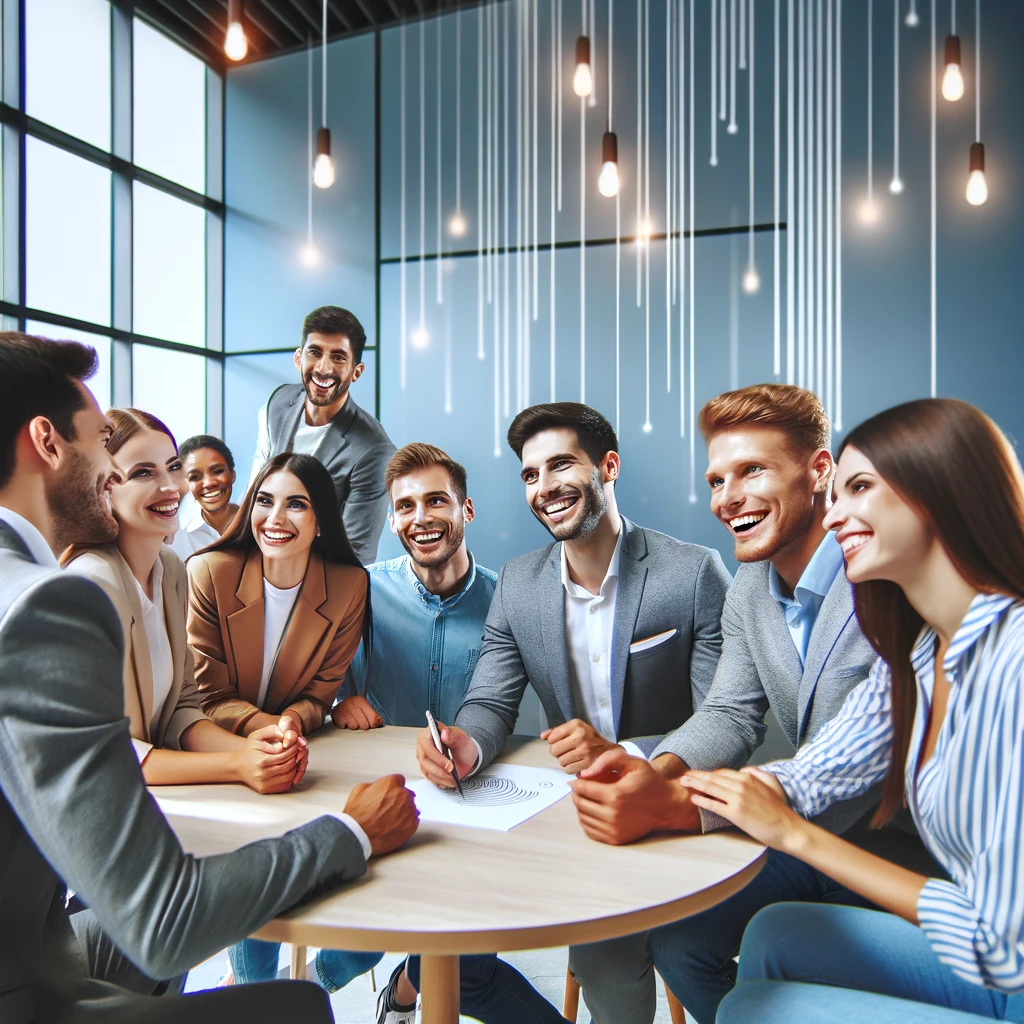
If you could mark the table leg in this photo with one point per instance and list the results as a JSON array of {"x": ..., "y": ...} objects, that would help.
[
  {"x": 439, "y": 989},
  {"x": 298, "y": 963}
]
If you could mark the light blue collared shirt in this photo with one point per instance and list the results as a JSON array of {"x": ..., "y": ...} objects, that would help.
[
  {"x": 801, "y": 610},
  {"x": 423, "y": 648}
]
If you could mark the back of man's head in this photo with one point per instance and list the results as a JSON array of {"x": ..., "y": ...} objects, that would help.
[
  {"x": 336, "y": 320},
  {"x": 794, "y": 411},
  {"x": 38, "y": 378},
  {"x": 418, "y": 455},
  {"x": 594, "y": 434}
]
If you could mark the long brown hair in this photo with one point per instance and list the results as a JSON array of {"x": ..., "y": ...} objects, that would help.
[
  {"x": 956, "y": 469},
  {"x": 127, "y": 423}
]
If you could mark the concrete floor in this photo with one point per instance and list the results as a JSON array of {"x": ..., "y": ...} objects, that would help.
[{"x": 356, "y": 1003}]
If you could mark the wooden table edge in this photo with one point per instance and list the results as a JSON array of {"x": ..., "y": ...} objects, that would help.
[{"x": 297, "y": 932}]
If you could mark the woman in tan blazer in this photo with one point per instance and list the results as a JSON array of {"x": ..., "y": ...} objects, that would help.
[
  {"x": 146, "y": 583},
  {"x": 278, "y": 605}
]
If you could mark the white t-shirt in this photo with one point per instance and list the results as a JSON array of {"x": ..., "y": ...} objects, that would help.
[
  {"x": 277, "y": 610},
  {"x": 155, "y": 625},
  {"x": 307, "y": 440},
  {"x": 195, "y": 532}
]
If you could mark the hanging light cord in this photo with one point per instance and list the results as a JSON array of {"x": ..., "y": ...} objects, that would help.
[
  {"x": 323, "y": 97},
  {"x": 977, "y": 70}
]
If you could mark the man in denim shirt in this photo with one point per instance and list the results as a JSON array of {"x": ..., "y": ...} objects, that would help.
[{"x": 429, "y": 609}]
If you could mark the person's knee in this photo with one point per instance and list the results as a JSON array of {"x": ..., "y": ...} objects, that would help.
[{"x": 778, "y": 927}]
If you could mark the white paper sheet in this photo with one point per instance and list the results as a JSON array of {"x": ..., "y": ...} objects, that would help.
[{"x": 500, "y": 797}]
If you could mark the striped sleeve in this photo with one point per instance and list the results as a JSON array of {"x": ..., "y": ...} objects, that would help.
[
  {"x": 976, "y": 924},
  {"x": 848, "y": 755}
]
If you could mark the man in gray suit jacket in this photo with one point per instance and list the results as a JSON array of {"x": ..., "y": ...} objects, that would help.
[
  {"x": 616, "y": 627},
  {"x": 73, "y": 804},
  {"x": 319, "y": 417},
  {"x": 791, "y": 643}
]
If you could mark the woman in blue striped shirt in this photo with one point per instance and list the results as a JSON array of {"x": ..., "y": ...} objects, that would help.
[{"x": 929, "y": 511}]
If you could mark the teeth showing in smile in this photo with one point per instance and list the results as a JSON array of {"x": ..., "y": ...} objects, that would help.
[
  {"x": 427, "y": 538},
  {"x": 558, "y": 506},
  {"x": 210, "y": 495},
  {"x": 854, "y": 541},
  {"x": 165, "y": 510},
  {"x": 277, "y": 535},
  {"x": 323, "y": 382},
  {"x": 741, "y": 523}
]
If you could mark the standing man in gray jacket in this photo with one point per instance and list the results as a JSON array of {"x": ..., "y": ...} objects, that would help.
[
  {"x": 74, "y": 810},
  {"x": 791, "y": 643},
  {"x": 616, "y": 627},
  {"x": 319, "y": 417}
]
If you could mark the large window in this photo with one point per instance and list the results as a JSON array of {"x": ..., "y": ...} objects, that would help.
[{"x": 112, "y": 219}]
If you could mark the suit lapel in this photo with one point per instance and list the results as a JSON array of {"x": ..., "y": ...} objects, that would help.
[
  {"x": 142, "y": 659},
  {"x": 245, "y": 628},
  {"x": 174, "y": 620},
  {"x": 551, "y": 609},
  {"x": 300, "y": 645},
  {"x": 835, "y": 612},
  {"x": 629, "y": 593}
]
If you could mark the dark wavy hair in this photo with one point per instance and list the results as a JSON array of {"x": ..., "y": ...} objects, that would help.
[
  {"x": 332, "y": 545},
  {"x": 956, "y": 469}
]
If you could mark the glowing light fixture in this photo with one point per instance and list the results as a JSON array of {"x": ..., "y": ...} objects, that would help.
[
  {"x": 236, "y": 46},
  {"x": 582, "y": 79},
  {"x": 977, "y": 188},
  {"x": 952, "y": 78},
  {"x": 751, "y": 281},
  {"x": 420, "y": 338},
  {"x": 323, "y": 169},
  {"x": 310, "y": 255},
  {"x": 868, "y": 212},
  {"x": 457, "y": 225},
  {"x": 643, "y": 232},
  {"x": 912, "y": 20},
  {"x": 608, "y": 182}
]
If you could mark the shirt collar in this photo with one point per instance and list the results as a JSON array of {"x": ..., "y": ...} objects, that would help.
[
  {"x": 818, "y": 576},
  {"x": 984, "y": 611},
  {"x": 573, "y": 589},
  {"x": 430, "y": 598},
  {"x": 30, "y": 537}
]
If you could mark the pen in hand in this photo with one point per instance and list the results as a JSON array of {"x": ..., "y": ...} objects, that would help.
[{"x": 436, "y": 737}]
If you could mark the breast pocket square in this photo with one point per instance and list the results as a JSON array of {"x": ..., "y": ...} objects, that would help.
[{"x": 652, "y": 641}]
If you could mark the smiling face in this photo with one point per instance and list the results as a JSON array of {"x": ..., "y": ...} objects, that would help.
[
  {"x": 882, "y": 537},
  {"x": 762, "y": 491},
  {"x": 144, "y": 494},
  {"x": 328, "y": 367},
  {"x": 564, "y": 489},
  {"x": 427, "y": 516},
  {"x": 209, "y": 479},
  {"x": 283, "y": 521}
]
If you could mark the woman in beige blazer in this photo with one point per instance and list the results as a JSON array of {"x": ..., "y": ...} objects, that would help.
[
  {"x": 278, "y": 605},
  {"x": 146, "y": 583}
]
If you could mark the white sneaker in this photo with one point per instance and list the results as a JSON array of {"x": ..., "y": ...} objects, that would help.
[{"x": 385, "y": 1015}]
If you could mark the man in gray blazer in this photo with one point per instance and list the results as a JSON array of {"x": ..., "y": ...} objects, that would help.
[
  {"x": 73, "y": 804},
  {"x": 319, "y": 417},
  {"x": 791, "y": 643},
  {"x": 616, "y": 627}
]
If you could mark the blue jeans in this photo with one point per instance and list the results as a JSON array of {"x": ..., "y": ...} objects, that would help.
[
  {"x": 819, "y": 964},
  {"x": 490, "y": 989},
  {"x": 695, "y": 956},
  {"x": 254, "y": 960}
]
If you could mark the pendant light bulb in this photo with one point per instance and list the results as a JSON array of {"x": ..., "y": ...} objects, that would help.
[
  {"x": 236, "y": 46},
  {"x": 457, "y": 225},
  {"x": 582, "y": 80},
  {"x": 952, "y": 78},
  {"x": 310, "y": 256},
  {"x": 912, "y": 20},
  {"x": 977, "y": 187},
  {"x": 751, "y": 280},
  {"x": 868, "y": 212},
  {"x": 896, "y": 186},
  {"x": 323, "y": 169},
  {"x": 608, "y": 181},
  {"x": 419, "y": 338}
]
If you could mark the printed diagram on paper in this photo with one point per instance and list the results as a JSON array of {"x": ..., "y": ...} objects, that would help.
[{"x": 500, "y": 797}]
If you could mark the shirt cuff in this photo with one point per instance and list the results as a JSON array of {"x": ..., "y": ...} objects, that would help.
[
  {"x": 632, "y": 749},
  {"x": 479, "y": 760},
  {"x": 142, "y": 749},
  {"x": 357, "y": 830}
]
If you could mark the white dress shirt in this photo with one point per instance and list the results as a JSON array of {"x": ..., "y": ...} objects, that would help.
[
  {"x": 155, "y": 626},
  {"x": 195, "y": 533},
  {"x": 277, "y": 610},
  {"x": 30, "y": 537},
  {"x": 306, "y": 441}
]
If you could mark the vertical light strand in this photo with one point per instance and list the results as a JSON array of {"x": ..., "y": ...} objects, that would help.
[
  {"x": 681, "y": 208},
  {"x": 752, "y": 282},
  {"x": 504, "y": 49},
  {"x": 487, "y": 14},
  {"x": 520, "y": 199},
  {"x": 830, "y": 383},
  {"x": 692, "y": 431},
  {"x": 458, "y": 112},
  {"x": 819, "y": 204},
  {"x": 790, "y": 196},
  {"x": 440, "y": 212},
  {"x": 531, "y": 140},
  {"x": 668, "y": 195},
  {"x": 896, "y": 185},
  {"x": 555, "y": 57},
  {"x": 592, "y": 32},
  {"x": 536, "y": 206},
  {"x": 837, "y": 422},
  {"x": 733, "y": 127},
  {"x": 558, "y": 81},
  {"x": 402, "y": 315},
  {"x": 723, "y": 59},
  {"x": 639, "y": 149},
  {"x": 714, "y": 82},
  {"x": 480, "y": 354},
  {"x": 801, "y": 308},
  {"x": 869, "y": 210},
  {"x": 647, "y": 210},
  {"x": 734, "y": 307},
  {"x": 933, "y": 299},
  {"x": 776, "y": 284},
  {"x": 809, "y": 179},
  {"x": 492, "y": 217},
  {"x": 310, "y": 252},
  {"x": 447, "y": 316},
  {"x": 743, "y": 33},
  {"x": 583, "y": 233},
  {"x": 420, "y": 333},
  {"x": 977, "y": 70},
  {"x": 618, "y": 230}
]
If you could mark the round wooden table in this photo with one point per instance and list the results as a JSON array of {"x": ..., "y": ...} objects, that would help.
[{"x": 454, "y": 890}]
